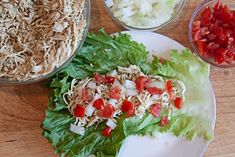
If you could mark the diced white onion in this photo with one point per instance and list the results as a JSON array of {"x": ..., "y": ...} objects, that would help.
[
  {"x": 131, "y": 92},
  {"x": 111, "y": 124},
  {"x": 97, "y": 96},
  {"x": 155, "y": 97},
  {"x": 157, "y": 84},
  {"x": 113, "y": 102},
  {"x": 149, "y": 102},
  {"x": 109, "y": 3},
  {"x": 89, "y": 110},
  {"x": 37, "y": 68},
  {"x": 113, "y": 73},
  {"x": 129, "y": 84},
  {"x": 91, "y": 85},
  {"x": 77, "y": 129}
]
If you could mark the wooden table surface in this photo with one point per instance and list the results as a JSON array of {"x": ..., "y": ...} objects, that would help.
[{"x": 22, "y": 107}]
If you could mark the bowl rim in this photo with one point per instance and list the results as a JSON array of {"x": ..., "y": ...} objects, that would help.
[
  {"x": 87, "y": 13},
  {"x": 123, "y": 24},
  {"x": 190, "y": 27}
]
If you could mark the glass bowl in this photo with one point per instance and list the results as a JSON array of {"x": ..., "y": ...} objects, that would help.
[
  {"x": 177, "y": 9},
  {"x": 195, "y": 16},
  {"x": 87, "y": 14}
]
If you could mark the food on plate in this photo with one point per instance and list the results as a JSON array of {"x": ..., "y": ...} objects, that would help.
[
  {"x": 125, "y": 91},
  {"x": 111, "y": 90},
  {"x": 38, "y": 36},
  {"x": 214, "y": 33},
  {"x": 142, "y": 13}
]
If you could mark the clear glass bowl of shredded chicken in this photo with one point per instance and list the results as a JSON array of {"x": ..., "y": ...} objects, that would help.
[{"x": 39, "y": 37}]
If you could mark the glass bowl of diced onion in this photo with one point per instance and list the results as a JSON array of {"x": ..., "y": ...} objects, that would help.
[{"x": 145, "y": 15}]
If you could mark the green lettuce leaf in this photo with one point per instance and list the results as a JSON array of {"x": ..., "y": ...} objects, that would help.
[{"x": 103, "y": 53}]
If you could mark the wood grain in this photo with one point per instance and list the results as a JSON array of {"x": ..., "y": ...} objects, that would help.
[{"x": 22, "y": 108}]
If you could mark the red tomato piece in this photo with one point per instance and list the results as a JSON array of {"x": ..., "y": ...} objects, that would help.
[
  {"x": 141, "y": 83},
  {"x": 154, "y": 90},
  {"x": 178, "y": 103},
  {"x": 169, "y": 86},
  {"x": 106, "y": 112},
  {"x": 164, "y": 121},
  {"x": 110, "y": 79},
  {"x": 226, "y": 14},
  {"x": 107, "y": 131},
  {"x": 220, "y": 55},
  {"x": 202, "y": 47},
  {"x": 128, "y": 107},
  {"x": 206, "y": 15},
  {"x": 98, "y": 104},
  {"x": 115, "y": 93},
  {"x": 212, "y": 46},
  {"x": 79, "y": 111},
  {"x": 155, "y": 110},
  {"x": 99, "y": 78},
  {"x": 86, "y": 95}
]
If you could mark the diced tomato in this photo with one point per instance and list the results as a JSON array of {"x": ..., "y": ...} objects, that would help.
[
  {"x": 107, "y": 131},
  {"x": 217, "y": 6},
  {"x": 162, "y": 60},
  {"x": 226, "y": 14},
  {"x": 115, "y": 93},
  {"x": 211, "y": 37},
  {"x": 197, "y": 35},
  {"x": 79, "y": 111},
  {"x": 99, "y": 78},
  {"x": 128, "y": 107},
  {"x": 178, "y": 103},
  {"x": 220, "y": 55},
  {"x": 202, "y": 47},
  {"x": 98, "y": 104},
  {"x": 169, "y": 86},
  {"x": 154, "y": 90},
  {"x": 219, "y": 31},
  {"x": 110, "y": 79},
  {"x": 215, "y": 29},
  {"x": 164, "y": 121},
  {"x": 206, "y": 15},
  {"x": 106, "y": 112},
  {"x": 155, "y": 110},
  {"x": 86, "y": 95},
  {"x": 212, "y": 46},
  {"x": 141, "y": 83}
]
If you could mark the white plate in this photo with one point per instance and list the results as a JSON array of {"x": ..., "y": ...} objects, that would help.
[{"x": 165, "y": 145}]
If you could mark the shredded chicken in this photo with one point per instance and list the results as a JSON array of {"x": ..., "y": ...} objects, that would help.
[
  {"x": 125, "y": 78},
  {"x": 37, "y": 36}
]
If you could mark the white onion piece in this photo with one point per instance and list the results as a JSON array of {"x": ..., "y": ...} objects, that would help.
[
  {"x": 89, "y": 110},
  {"x": 149, "y": 102},
  {"x": 109, "y": 3},
  {"x": 129, "y": 84},
  {"x": 131, "y": 92},
  {"x": 97, "y": 96},
  {"x": 157, "y": 84},
  {"x": 155, "y": 97},
  {"x": 113, "y": 102},
  {"x": 91, "y": 85},
  {"x": 111, "y": 124},
  {"x": 37, "y": 68},
  {"x": 113, "y": 73},
  {"x": 77, "y": 129}
]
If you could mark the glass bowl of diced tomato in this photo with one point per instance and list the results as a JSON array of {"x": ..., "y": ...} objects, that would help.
[{"x": 212, "y": 32}]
